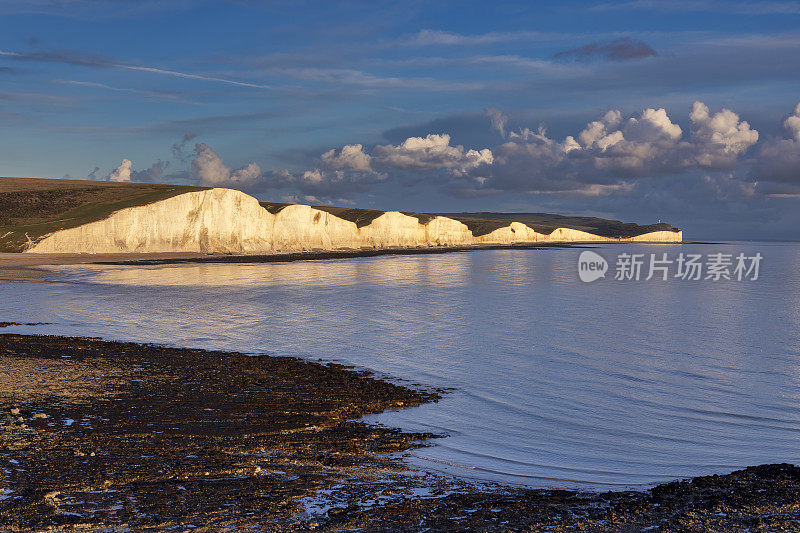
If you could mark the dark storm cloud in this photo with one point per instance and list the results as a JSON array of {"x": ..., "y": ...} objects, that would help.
[{"x": 616, "y": 50}]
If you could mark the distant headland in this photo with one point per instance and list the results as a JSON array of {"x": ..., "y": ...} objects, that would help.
[{"x": 80, "y": 216}]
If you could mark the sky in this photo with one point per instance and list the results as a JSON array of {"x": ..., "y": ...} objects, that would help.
[{"x": 643, "y": 110}]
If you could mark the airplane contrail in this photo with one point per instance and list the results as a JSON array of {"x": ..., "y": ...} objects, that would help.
[{"x": 99, "y": 63}]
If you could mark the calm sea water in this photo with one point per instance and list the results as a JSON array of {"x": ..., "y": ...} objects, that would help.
[{"x": 555, "y": 381}]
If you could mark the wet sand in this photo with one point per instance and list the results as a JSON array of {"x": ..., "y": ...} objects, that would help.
[
  {"x": 24, "y": 274},
  {"x": 100, "y": 435}
]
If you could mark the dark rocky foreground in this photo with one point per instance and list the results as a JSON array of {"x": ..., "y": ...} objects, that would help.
[{"x": 111, "y": 436}]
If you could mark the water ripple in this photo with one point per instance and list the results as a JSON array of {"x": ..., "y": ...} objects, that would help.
[{"x": 555, "y": 382}]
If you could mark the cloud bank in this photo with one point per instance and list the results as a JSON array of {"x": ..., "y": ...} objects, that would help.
[{"x": 715, "y": 154}]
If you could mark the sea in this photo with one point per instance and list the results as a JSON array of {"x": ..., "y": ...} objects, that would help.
[{"x": 549, "y": 380}]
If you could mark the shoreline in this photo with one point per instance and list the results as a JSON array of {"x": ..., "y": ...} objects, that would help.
[
  {"x": 101, "y": 434},
  {"x": 29, "y": 259},
  {"x": 22, "y": 266},
  {"x": 26, "y": 267}
]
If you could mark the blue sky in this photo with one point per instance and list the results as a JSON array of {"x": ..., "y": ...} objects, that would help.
[{"x": 570, "y": 107}]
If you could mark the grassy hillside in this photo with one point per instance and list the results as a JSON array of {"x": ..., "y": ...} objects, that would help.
[{"x": 31, "y": 207}]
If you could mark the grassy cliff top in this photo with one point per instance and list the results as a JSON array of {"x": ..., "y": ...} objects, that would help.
[{"x": 31, "y": 208}]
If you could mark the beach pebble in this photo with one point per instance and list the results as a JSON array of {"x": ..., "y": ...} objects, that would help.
[
  {"x": 15, "y": 411},
  {"x": 40, "y": 415}
]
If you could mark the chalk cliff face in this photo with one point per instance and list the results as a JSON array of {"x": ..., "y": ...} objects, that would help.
[
  {"x": 214, "y": 220},
  {"x": 569, "y": 234},
  {"x": 657, "y": 236},
  {"x": 515, "y": 232},
  {"x": 301, "y": 227},
  {"x": 229, "y": 221},
  {"x": 393, "y": 229}
]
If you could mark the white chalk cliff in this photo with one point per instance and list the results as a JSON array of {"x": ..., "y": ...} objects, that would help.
[{"x": 230, "y": 221}]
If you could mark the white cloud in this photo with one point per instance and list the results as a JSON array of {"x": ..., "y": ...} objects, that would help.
[
  {"x": 247, "y": 174},
  {"x": 307, "y": 199},
  {"x": 723, "y": 128},
  {"x": 498, "y": 119},
  {"x": 611, "y": 151},
  {"x": 431, "y": 152},
  {"x": 125, "y": 173},
  {"x": 638, "y": 146},
  {"x": 155, "y": 172},
  {"x": 474, "y": 158},
  {"x": 327, "y": 183},
  {"x": 350, "y": 157},
  {"x": 209, "y": 170},
  {"x": 777, "y": 167},
  {"x": 610, "y": 155},
  {"x": 792, "y": 124},
  {"x": 313, "y": 177},
  {"x": 599, "y": 131},
  {"x": 121, "y": 173},
  {"x": 652, "y": 125},
  {"x": 446, "y": 38},
  {"x": 351, "y": 169}
]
